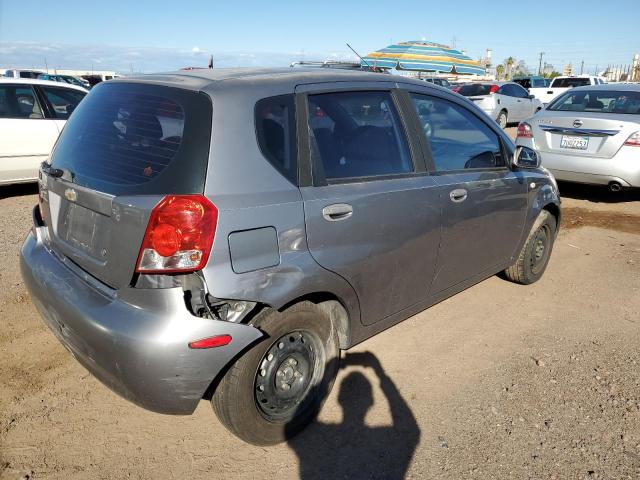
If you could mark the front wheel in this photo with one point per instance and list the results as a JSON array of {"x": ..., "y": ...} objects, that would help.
[
  {"x": 535, "y": 254},
  {"x": 502, "y": 119},
  {"x": 275, "y": 389}
]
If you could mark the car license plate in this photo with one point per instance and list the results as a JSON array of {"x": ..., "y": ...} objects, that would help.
[{"x": 577, "y": 143}]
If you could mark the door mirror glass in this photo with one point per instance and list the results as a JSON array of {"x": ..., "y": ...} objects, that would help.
[{"x": 526, "y": 157}]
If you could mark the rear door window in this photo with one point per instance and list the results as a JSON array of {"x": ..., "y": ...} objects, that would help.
[
  {"x": 458, "y": 139},
  {"x": 275, "y": 127},
  {"x": 474, "y": 90},
  {"x": 137, "y": 139},
  {"x": 358, "y": 134},
  {"x": 17, "y": 101},
  {"x": 62, "y": 101}
]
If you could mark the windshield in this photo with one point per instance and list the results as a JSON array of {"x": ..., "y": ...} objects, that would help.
[
  {"x": 474, "y": 89},
  {"x": 570, "y": 82},
  {"x": 601, "y": 101}
]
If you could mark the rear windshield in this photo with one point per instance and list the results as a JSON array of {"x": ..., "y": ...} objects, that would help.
[
  {"x": 602, "y": 101},
  {"x": 474, "y": 89},
  {"x": 136, "y": 139},
  {"x": 570, "y": 82}
]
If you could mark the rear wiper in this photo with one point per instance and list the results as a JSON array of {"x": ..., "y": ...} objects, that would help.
[{"x": 56, "y": 172}]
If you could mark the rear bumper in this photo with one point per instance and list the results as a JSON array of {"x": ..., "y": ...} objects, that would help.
[
  {"x": 623, "y": 168},
  {"x": 135, "y": 341}
]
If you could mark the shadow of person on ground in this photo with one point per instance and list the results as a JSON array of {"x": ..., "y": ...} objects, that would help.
[
  {"x": 352, "y": 449},
  {"x": 598, "y": 193}
]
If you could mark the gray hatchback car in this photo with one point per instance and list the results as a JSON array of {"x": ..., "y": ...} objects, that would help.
[{"x": 223, "y": 234}]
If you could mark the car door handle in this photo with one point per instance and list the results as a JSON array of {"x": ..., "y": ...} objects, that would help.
[
  {"x": 458, "y": 195},
  {"x": 337, "y": 211}
]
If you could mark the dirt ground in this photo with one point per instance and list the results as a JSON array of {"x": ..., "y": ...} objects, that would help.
[{"x": 500, "y": 381}]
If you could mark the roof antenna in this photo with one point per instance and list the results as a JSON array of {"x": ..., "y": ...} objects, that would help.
[{"x": 365, "y": 62}]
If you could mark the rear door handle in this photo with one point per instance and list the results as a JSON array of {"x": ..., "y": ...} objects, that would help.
[
  {"x": 458, "y": 195},
  {"x": 337, "y": 211}
]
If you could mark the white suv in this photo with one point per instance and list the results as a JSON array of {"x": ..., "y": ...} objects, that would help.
[{"x": 32, "y": 114}]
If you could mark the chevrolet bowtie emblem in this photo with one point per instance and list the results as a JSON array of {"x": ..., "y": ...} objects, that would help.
[{"x": 70, "y": 194}]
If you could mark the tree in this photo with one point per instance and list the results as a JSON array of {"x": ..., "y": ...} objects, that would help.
[
  {"x": 521, "y": 68},
  {"x": 509, "y": 64},
  {"x": 499, "y": 71}
]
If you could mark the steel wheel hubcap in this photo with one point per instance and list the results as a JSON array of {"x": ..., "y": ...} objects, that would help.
[
  {"x": 285, "y": 374},
  {"x": 539, "y": 250}
]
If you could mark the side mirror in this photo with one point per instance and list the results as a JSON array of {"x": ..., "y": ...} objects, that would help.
[
  {"x": 526, "y": 157},
  {"x": 531, "y": 97}
]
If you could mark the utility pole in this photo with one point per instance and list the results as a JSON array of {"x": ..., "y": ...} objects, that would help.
[
  {"x": 581, "y": 67},
  {"x": 540, "y": 64}
]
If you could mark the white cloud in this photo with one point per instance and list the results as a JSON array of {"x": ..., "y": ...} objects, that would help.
[{"x": 144, "y": 60}]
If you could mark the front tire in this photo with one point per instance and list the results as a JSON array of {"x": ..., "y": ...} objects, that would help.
[
  {"x": 275, "y": 389},
  {"x": 535, "y": 254},
  {"x": 502, "y": 119}
]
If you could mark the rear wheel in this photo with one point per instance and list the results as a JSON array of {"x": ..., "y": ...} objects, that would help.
[
  {"x": 534, "y": 256},
  {"x": 502, "y": 119},
  {"x": 275, "y": 389}
]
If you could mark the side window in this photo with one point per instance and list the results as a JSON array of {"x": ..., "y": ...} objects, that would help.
[
  {"x": 276, "y": 127},
  {"x": 504, "y": 90},
  {"x": 63, "y": 101},
  {"x": 519, "y": 92},
  {"x": 19, "y": 102},
  {"x": 458, "y": 139},
  {"x": 358, "y": 134}
]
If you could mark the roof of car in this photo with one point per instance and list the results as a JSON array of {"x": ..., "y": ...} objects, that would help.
[
  {"x": 619, "y": 87},
  {"x": 37, "y": 81},
  {"x": 201, "y": 78}
]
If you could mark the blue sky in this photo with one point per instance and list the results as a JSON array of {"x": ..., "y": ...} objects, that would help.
[{"x": 160, "y": 35}]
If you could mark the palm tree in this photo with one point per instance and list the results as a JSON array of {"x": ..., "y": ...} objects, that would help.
[
  {"x": 499, "y": 72},
  {"x": 509, "y": 62}
]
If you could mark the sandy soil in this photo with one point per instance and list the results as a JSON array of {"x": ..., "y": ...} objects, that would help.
[{"x": 500, "y": 381}]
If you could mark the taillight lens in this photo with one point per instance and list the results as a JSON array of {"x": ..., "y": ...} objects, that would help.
[
  {"x": 524, "y": 130},
  {"x": 633, "y": 140},
  {"x": 179, "y": 235},
  {"x": 456, "y": 89},
  {"x": 494, "y": 88}
]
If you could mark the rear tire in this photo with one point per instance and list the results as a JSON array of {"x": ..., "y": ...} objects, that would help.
[
  {"x": 535, "y": 254},
  {"x": 275, "y": 389},
  {"x": 502, "y": 119}
]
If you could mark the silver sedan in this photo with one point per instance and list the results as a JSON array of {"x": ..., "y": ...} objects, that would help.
[
  {"x": 505, "y": 102},
  {"x": 589, "y": 135}
]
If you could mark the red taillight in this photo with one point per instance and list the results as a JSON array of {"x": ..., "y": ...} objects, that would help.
[
  {"x": 457, "y": 89},
  {"x": 494, "y": 88},
  {"x": 633, "y": 140},
  {"x": 211, "y": 342},
  {"x": 524, "y": 130},
  {"x": 179, "y": 235}
]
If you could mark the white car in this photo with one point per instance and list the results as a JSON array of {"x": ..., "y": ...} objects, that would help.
[
  {"x": 562, "y": 84},
  {"x": 505, "y": 102},
  {"x": 32, "y": 114}
]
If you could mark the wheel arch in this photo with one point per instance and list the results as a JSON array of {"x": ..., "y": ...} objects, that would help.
[{"x": 335, "y": 309}]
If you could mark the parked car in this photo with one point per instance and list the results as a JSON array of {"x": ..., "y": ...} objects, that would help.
[
  {"x": 503, "y": 101},
  {"x": 589, "y": 135},
  {"x": 562, "y": 84},
  {"x": 95, "y": 79},
  {"x": 32, "y": 114},
  {"x": 13, "y": 73},
  {"x": 180, "y": 257},
  {"x": 443, "y": 82},
  {"x": 531, "y": 81},
  {"x": 65, "y": 79}
]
